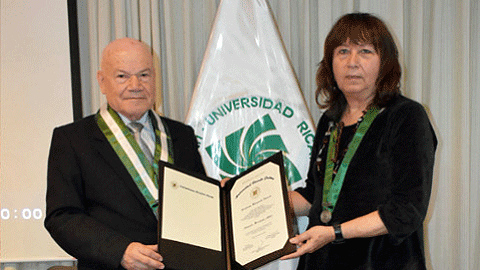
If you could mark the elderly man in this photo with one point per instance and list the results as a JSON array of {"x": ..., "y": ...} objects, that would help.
[{"x": 103, "y": 169}]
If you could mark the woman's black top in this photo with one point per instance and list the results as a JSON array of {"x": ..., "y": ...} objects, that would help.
[{"x": 391, "y": 172}]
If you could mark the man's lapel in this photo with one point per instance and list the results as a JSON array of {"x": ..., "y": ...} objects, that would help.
[{"x": 105, "y": 150}]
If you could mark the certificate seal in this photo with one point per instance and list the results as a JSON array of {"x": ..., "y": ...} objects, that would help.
[
  {"x": 174, "y": 184},
  {"x": 255, "y": 192}
]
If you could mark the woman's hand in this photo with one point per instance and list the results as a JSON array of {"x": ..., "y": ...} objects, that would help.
[
  {"x": 369, "y": 225},
  {"x": 311, "y": 240}
]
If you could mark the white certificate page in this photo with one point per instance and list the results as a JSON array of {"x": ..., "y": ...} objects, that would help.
[
  {"x": 258, "y": 214},
  {"x": 191, "y": 210}
]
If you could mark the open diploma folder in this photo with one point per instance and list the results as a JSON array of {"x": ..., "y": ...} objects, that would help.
[{"x": 242, "y": 226}]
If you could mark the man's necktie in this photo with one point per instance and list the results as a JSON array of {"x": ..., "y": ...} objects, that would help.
[{"x": 136, "y": 129}]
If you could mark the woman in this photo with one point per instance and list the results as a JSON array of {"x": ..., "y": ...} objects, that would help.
[{"x": 371, "y": 167}]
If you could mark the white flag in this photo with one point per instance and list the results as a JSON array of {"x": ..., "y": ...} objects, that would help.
[{"x": 247, "y": 103}]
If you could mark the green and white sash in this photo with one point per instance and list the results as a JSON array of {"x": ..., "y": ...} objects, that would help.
[{"x": 144, "y": 174}]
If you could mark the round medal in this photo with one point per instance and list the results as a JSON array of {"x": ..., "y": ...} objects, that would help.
[{"x": 326, "y": 216}]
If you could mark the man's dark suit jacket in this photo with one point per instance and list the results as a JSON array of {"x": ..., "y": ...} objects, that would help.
[{"x": 94, "y": 208}]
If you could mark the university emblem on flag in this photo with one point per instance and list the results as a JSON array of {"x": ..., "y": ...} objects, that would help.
[{"x": 235, "y": 149}]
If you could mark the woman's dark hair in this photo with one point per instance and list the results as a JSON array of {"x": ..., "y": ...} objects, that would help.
[{"x": 359, "y": 28}]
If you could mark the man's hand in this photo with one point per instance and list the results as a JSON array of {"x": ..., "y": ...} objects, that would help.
[
  {"x": 142, "y": 257},
  {"x": 311, "y": 240}
]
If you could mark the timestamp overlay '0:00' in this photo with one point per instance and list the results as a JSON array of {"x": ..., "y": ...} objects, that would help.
[{"x": 25, "y": 213}]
